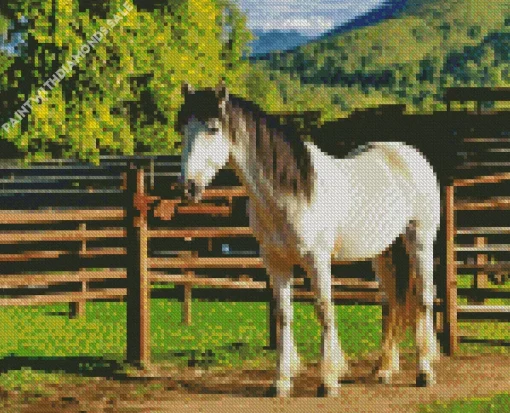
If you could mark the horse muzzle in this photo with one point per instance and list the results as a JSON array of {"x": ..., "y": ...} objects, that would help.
[{"x": 192, "y": 191}]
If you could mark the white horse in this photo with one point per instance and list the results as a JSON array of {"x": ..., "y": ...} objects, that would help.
[{"x": 307, "y": 208}]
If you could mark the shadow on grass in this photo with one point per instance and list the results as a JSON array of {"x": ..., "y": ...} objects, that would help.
[
  {"x": 81, "y": 365},
  {"x": 116, "y": 368},
  {"x": 204, "y": 358},
  {"x": 58, "y": 313}
]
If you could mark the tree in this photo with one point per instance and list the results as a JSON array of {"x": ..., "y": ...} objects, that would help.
[{"x": 123, "y": 93}]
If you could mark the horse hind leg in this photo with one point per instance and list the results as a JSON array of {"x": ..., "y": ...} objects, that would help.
[
  {"x": 392, "y": 269},
  {"x": 422, "y": 259}
]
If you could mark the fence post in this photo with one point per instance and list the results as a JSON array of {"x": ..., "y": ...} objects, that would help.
[
  {"x": 481, "y": 278},
  {"x": 450, "y": 324},
  {"x": 186, "y": 299},
  {"x": 77, "y": 308},
  {"x": 138, "y": 285}
]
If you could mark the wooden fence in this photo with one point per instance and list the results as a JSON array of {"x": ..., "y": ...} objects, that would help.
[
  {"x": 75, "y": 233},
  {"x": 84, "y": 253}
]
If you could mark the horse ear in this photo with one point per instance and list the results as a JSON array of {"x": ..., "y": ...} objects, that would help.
[
  {"x": 187, "y": 89},
  {"x": 221, "y": 91}
]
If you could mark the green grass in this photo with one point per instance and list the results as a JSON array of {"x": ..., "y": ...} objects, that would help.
[
  {"x": 496, "y": 404},
  {"x": 230, "y": 333},
  {"x": 227, "y": 334},
  {"x": 40, "y": 345}
]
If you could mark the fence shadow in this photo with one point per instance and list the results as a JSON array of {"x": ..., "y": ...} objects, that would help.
[{"x": 81, "y": 365}]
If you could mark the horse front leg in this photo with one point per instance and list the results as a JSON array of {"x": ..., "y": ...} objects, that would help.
[
  {"x": 333, "y": 363},
  {"x": 288, "y": 362}
]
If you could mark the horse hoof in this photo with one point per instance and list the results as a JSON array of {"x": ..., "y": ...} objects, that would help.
[
  {"x": 425, "y": 379},
  {"x": 271, "y": 392},
  {"x": 282, "y": 388},
  {"x": 330, "y": 391},
  {"x": 384, "y": 377}
]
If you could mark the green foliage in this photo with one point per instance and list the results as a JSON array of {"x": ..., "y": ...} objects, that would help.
[
  {"x": 495, "y": 404},
  {"x": 123, "y": 95},
  {"x": 409, "y": 59}
]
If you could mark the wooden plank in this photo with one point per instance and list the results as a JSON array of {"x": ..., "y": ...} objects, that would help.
[
  {"x": 14, "y": 237},
  {"x": 497, "y": 204},
  {"x": 203, "y": 281},
  {"x": 355, "y": 283},
  {"x": 25, "y": 280},
  {"x": 485, "y": 292},
  {"x": 224, "y": 192},
  {"x": 486, "y": 140},
  {"x": 483, "y": 231},
  {"x": 214, "y": 262},
  {"x": 67, "y": 297},
  {"x": 345, "y": 282},
  {"x": 488, "y": 179},
  {"x": 499, "y": 266},
  {"x": 206, "y": 262},
  {"x": 41, "y": 255},
  {"x": 360, "y": 296},
  {"x": 203, "y": 232},
  {"x": 37, "y": 217},
  {"x": 95, "y": 252},
  {"x": 450, "y": 324},
  {"x": 483, "y": 248},
  {"x": 484, "y": 309},
  {"x": 32, "y": 255},
  {"x": 205, "y": 209}
]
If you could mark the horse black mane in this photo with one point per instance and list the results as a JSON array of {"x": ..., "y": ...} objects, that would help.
[{"x": 280, "y": 151}]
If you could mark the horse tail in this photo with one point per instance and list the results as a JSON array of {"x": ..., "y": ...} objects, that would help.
[
  {"x": 393, "y": 268},
  {"x": 404, "y": 279}
]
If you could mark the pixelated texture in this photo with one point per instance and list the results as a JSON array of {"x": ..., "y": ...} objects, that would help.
[{"x": 207, "y": 280}]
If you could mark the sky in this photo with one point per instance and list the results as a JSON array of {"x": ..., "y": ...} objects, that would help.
[{"x": 309, "y": 17}]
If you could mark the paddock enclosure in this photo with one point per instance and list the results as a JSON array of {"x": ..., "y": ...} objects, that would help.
[{"x": 73, "y": 233}]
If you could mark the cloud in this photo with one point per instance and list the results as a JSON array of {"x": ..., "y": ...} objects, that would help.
[
  {"x": 309, "y": 26},
  {"x": 310, "y": 17}
]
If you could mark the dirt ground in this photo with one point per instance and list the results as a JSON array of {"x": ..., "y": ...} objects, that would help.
[{"x": 245, "y": 391}]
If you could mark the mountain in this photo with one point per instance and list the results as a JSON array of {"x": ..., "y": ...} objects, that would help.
[
  {"x": 388, "y": 10},
  {"x": 276, "y": 40},
  {"x": 406, "y": 51}
]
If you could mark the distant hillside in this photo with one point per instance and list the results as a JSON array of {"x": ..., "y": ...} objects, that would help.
[
  {"x": 411, "y": 57},
  {"x": 389, "y": 9},
  {"x": 276, "y": 40}
]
